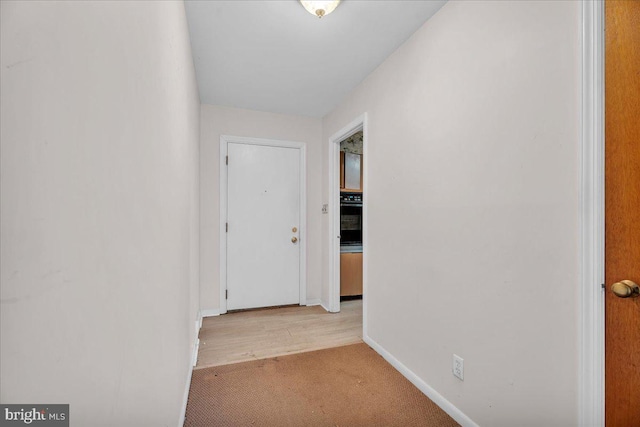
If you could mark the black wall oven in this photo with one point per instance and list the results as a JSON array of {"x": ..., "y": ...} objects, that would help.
[{"x": 350, "y": 218}]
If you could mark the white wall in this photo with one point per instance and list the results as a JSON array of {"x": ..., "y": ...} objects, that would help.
[
  {"x": 473, "y": 206},
  {"x": 216, "y": 121},
  {"x": 99, "y": 149}
]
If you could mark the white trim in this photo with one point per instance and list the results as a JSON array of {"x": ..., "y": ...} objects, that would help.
[
  {"x": 185, "y": 398},
  {"x": 303, "y": 223},
  {"x": 315, "y": 301},
  {"x": 222, "y": 226},
  {"x": 224, "y": 141},
  {"x": 591, "y": 350},
  {"x": 358, "y": 124},
  {"x": 448, "y": 407},
  {"x": 193, "y": 361},
  {"x": 209, "y": 313},
  {"x": 365, "y": 225},
  {"x": 194, "y": 356},
  {"x": 196, "y": 346}
]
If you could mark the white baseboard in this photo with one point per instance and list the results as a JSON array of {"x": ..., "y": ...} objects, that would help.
[
  {"x": 194, "y": 356},
  {"x": 325, "y": 307},
  {"x": 316, "y": 301},
  {"x": 185, "y": 398},
  {"x": 210, "y": 312},
  {"x": 455, "y": 413},
  {"x": 193, "y": 362},
  {"x": 183, "y": 412}
]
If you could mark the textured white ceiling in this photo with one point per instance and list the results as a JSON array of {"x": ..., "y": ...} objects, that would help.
[{"x": 275, "y": 56}]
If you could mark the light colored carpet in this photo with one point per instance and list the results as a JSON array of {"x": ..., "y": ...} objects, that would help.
[{"x": 343, "y": 386}]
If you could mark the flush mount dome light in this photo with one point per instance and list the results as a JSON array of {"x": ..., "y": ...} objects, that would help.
[{"x": 320, "y": 8}]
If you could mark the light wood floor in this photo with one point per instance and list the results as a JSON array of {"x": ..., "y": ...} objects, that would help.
[{"x": 259, "y": 334}]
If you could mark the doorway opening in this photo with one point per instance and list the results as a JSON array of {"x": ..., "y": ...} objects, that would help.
[
  {"x": 348, "y": 217},
  {"x": 351, "y": 154}
]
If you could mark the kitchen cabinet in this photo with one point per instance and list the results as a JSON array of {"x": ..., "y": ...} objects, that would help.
[
  {"x": 350, "y": 274},
  {"x": 350, "y": 171},
  {"x": 342, "y": 170}
]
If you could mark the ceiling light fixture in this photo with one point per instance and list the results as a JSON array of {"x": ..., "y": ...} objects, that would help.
[{"x": 320, "y": 8}]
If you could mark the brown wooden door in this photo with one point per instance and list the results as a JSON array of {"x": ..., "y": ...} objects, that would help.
[{"x": 622, "y": 211}]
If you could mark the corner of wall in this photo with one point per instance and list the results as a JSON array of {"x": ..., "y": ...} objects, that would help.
[{"x": 455, "y": 413}]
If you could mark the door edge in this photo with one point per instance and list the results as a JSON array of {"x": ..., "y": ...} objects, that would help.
[{"x": 591, "y": 310}]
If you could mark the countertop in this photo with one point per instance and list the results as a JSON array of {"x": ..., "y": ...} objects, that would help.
[{"x": 350, "y": 249}]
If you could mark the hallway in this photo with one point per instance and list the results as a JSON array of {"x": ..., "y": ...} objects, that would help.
[
  {"x": 259, "y": 334},
  {"x": 483, "y": 170}
]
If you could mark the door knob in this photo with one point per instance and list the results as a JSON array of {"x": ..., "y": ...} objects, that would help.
[
  {"x": 294, "y": 239},
  {"x": 625, "y": 289}
]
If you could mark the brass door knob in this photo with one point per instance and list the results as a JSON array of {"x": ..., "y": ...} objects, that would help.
[
  {"x": 625, "y": 289},
  {"x": 294, "y": 239}
]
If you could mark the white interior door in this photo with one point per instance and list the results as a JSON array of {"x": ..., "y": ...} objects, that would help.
[{"x": 263, "y": 215}]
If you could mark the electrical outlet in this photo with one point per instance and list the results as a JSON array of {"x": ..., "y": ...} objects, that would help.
[
  {"x": 458, "y": 367},
  {"x": 325, "y": 208}
]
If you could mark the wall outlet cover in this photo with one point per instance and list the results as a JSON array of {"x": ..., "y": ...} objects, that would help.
[
  {"x": 458, "y": 367},
  {"x": 325, "y": 208}
]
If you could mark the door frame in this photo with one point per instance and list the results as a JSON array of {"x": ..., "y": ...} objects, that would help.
[
  {"x": 302, "y": 238},
  {"x": 591, "y": 321},
  {"x": 358, "y": 124}
]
